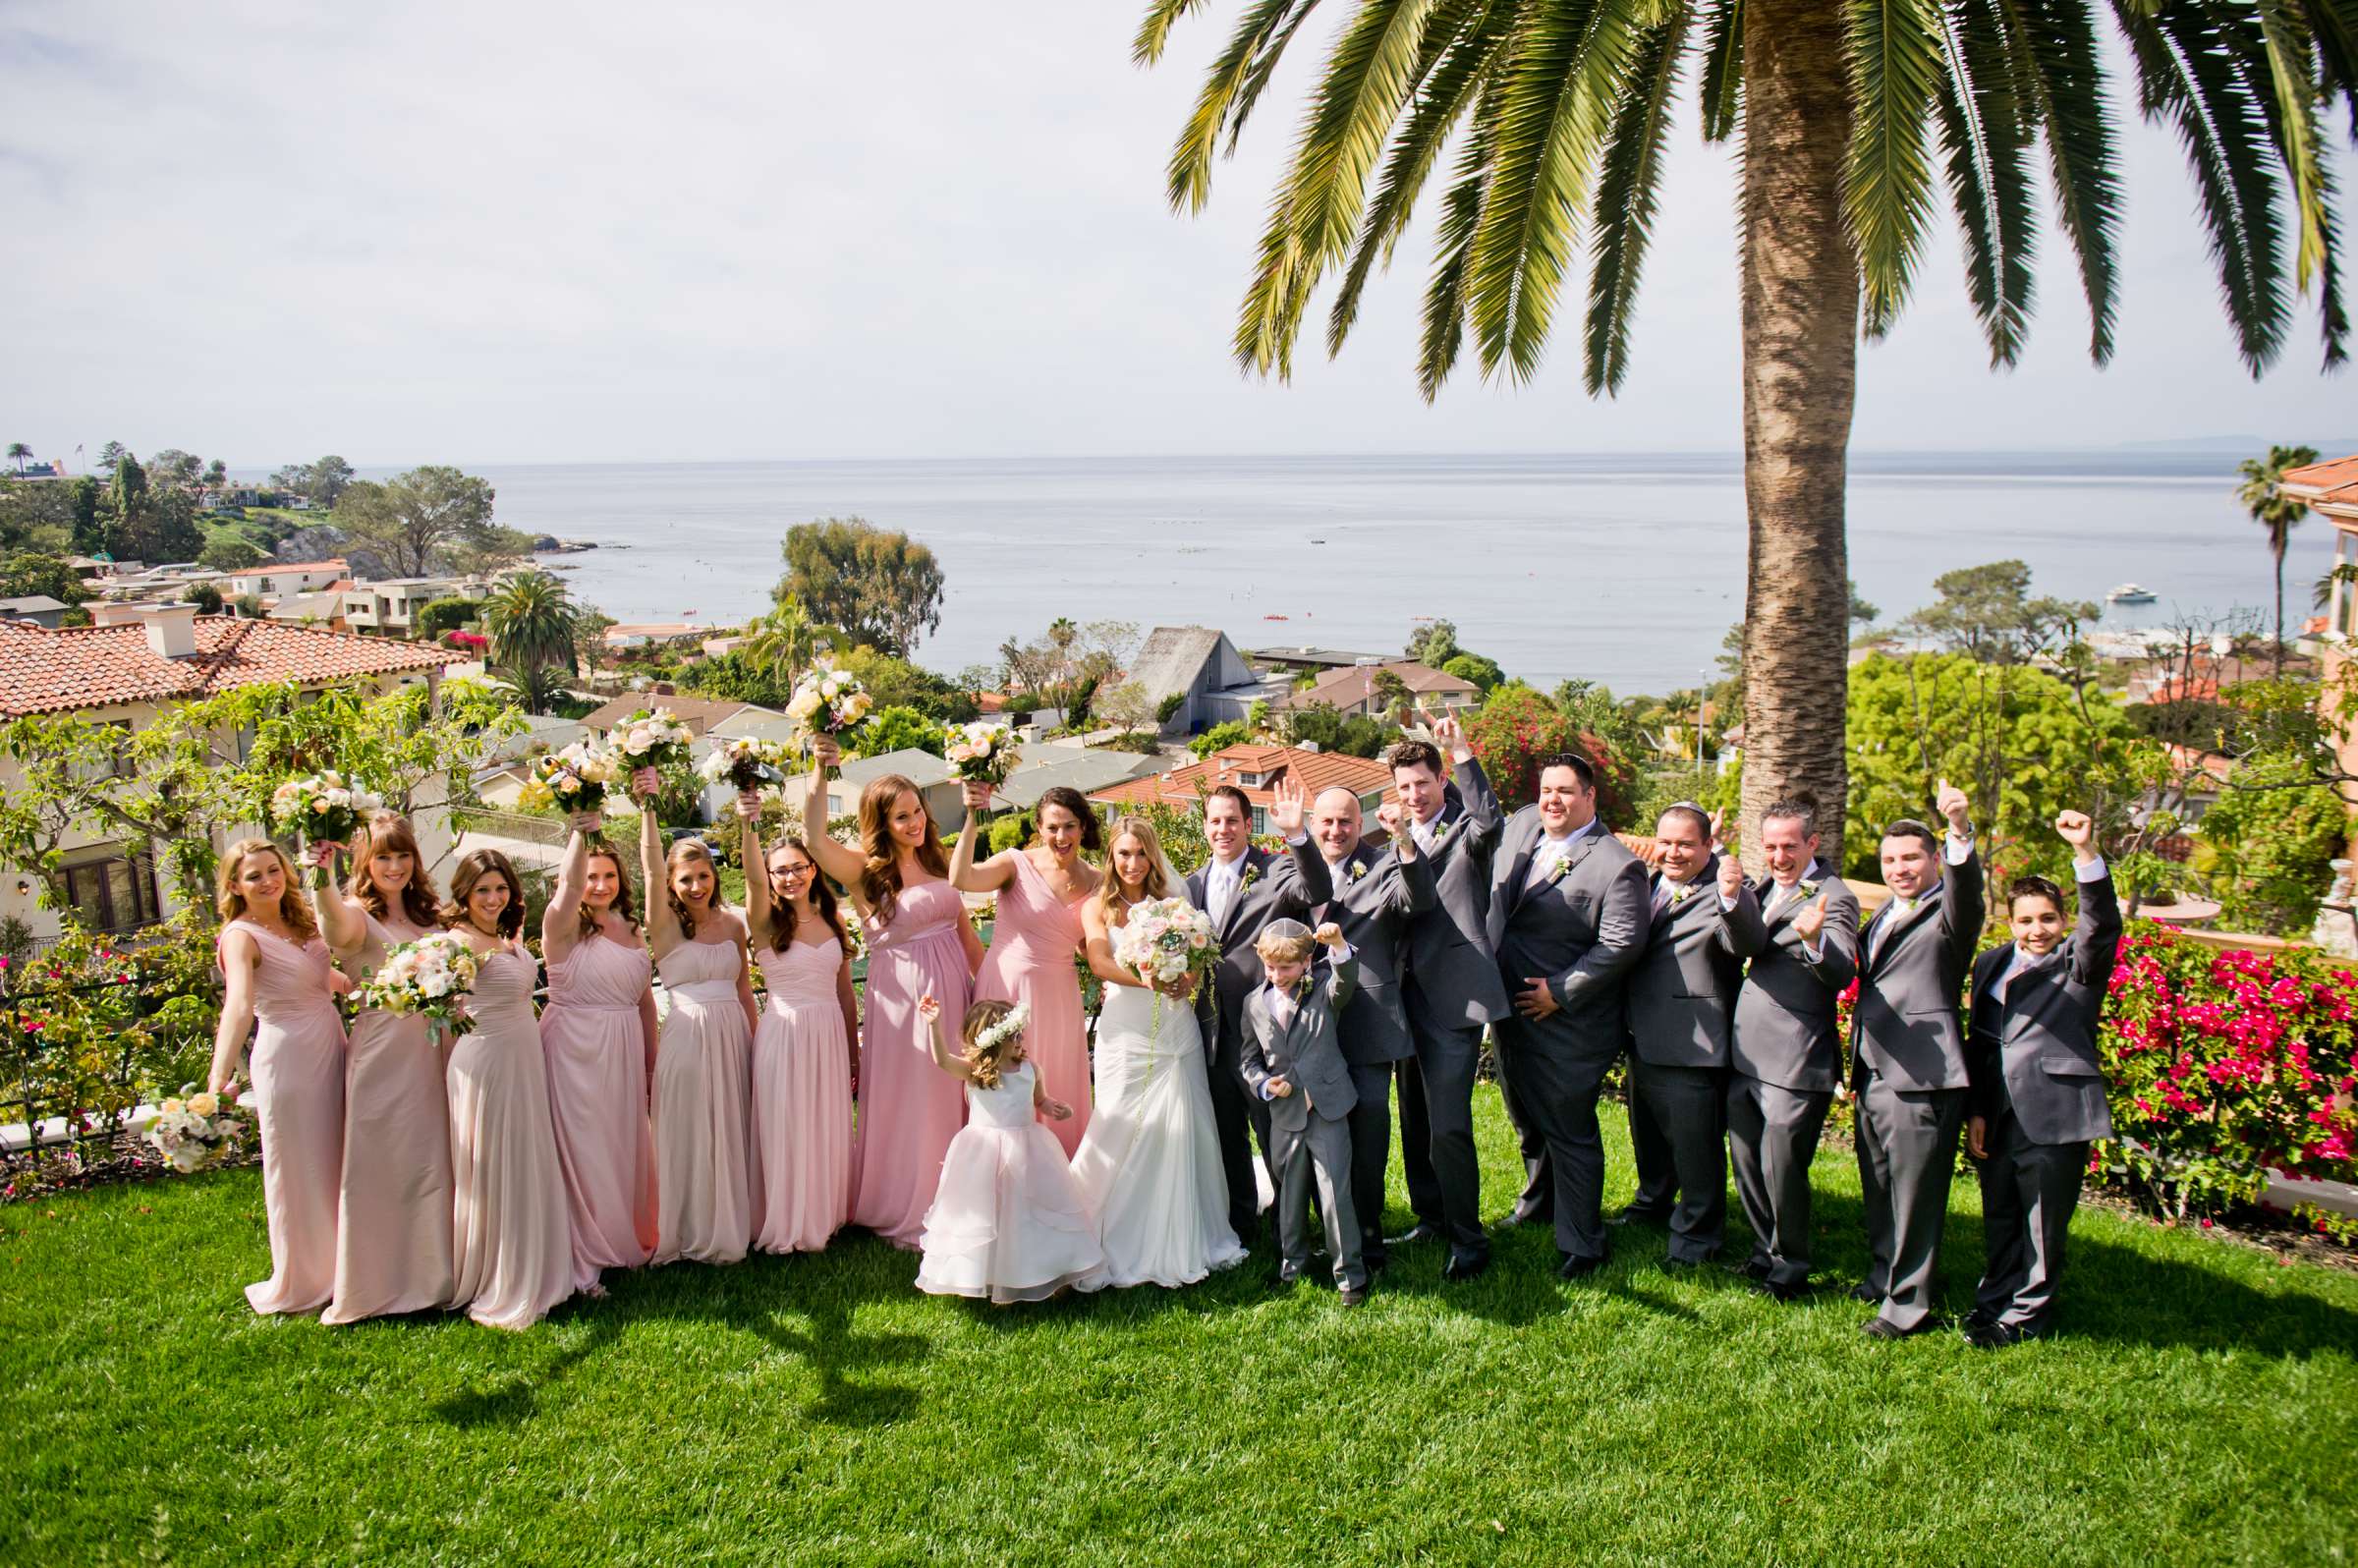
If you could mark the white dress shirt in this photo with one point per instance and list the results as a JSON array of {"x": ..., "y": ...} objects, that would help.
[{"x": 1552, "y": 851}]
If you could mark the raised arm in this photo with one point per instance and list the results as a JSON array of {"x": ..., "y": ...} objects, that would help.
[
  {"x": 1413, "y": 890},
  {"x": 1964, "y": 909},
  {"x": 1342, "y": 974},
  {"x": 757, "y": 913},
  {"x": 1483, "y": 818},
  {"x": 744, "y": 985},
  {"x": 560, "y": 922},
  {"x": 662, "y": 926},
  {"x": 972, "y": 940},
  {"x": 840, "y": 863},
  {"x": 937, "y": 1040},
  {"x": 1311, "y": 884},
  {"x": 2096, "y": 936},
  {"x": 239, "y": 956},
  {"x": 1828, "y": 928},
  {"x": 651, "y": 1026},
  {"x": 994, "y": 872},
  {"x": 342, "y": 919},
  {"x": 1742, "y": 931}
]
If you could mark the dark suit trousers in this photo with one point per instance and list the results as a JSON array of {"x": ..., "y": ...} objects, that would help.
[
  {"x": 2028, "y": 1193},
  {"x": 1437, "y": 1132},
  {"x": 1685, "y": 1108},
  {"x": 1658, "y": 1164},
  {"x": 1536, "y": 1200},
  {"x": 1907, "y": 1141},
  {"x": 1371, "y": 1122},
  {"x": 1772, "y": 1137},
  {"x": 1555, "y": 1085},
  {"x": 1239, "y": 1116},
  {"x": 1317, "y": 1156}
]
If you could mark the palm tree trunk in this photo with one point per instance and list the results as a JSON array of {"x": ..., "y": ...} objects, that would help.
[
  {"x": 2280, "y": 543},
  {"x": 1800, "y": 323}
]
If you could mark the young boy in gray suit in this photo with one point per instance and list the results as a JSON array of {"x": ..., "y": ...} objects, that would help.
[
  {"x": 2038, "y": 1094},
  {"x": 1293, "y": 1060}
]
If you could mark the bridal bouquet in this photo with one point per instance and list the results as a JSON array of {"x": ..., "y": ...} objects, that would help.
[
  {"x": 327, "y": 806},
  {"x": 428, "y": 976},
  {"x": 829, "y": 699},
  {"x": 193, "y": 1130},
  {"x": 574, "y": 779},
  {"x": 651, "y": 738},
  {"x": 982, "y": 754},
  {"x": 744, "y": 764}
]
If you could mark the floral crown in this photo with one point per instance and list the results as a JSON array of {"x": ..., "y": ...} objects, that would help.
[{"x": 1010, "y": 1025}]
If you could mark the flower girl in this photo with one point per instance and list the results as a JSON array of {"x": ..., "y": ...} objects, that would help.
[{"x": 1008, "y": 1220}]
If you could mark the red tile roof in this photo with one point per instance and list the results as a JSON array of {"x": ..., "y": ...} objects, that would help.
[
  {"x": 265, "y": 568},
  {"x": 2321, "y": 481},
  {"x": 1313, "y": 771},
  {"x": 45, "y": 671},
  {"x": 1350, "y": 685}
]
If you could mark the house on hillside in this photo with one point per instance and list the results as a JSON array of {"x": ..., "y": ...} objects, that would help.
[
  {"x": 138, "y": 662},
  {"x": 700, "y": 714},
  {"x": 1041, "y": 766},
  {"x": 1351, "y": 690},
  {"x": 389, "y": 607},
  {"x": 1257, "y": 770},
  {"x": 1204, "y": 672},
  {"x": 943, "y": 795},
  {"x": 39, "y": 608},
  {"x": 270, "y": 579}
]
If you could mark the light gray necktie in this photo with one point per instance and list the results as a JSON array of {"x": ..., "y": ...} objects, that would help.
[{"x": 1221, "y": 889}]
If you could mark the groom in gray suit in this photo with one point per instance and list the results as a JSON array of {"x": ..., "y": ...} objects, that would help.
[
  {"x": 1908, "y": 1059},
  {"x": 1568, "y": 921},
  {"x": 2038, "y": 1095},
  {"x": 1242, "y": 888}
]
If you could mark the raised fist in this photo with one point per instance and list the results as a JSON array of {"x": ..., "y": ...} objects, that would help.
[
  {"x": 1811, "y": 920},
  {"x": 1951, "y": 803},
  {"x": 1732, "y": 876},
  {"x": 2076, "y": 829}
]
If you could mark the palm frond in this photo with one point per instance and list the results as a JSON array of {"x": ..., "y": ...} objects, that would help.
[
  {"x": 2050, "y": 49},
  {"x": 1370, "y": 78},
  {"x": 1259, "y": 41},
  {"x": 1981, "y": 127},
  {"x": 2334, "y": 24},
  {"x": 1155, "y": 29},
  {"x": 1257, "y": 79},
  {"x": 1722, "y": 69},
  {"x": 1627, "y": 195},
  {"x": 2288, "y": 49},
  {"x": 1895, "y": 57},
  {"x": 1453, "y": 257}
]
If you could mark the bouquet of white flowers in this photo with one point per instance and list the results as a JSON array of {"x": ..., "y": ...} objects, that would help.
[
  {"x": 745, "y": 764},
  {"x": 982, "y": 753},
  {"x": 651, "y": 738},
  {"x": 829, "y": 699},
  {"x": 192, "y": 1130},
  {"x": 573, "y": 779},
  {"x": 1164, "y": 941},
  {"x": 327, "y": 806},
  {"x": 428, "y": 976}
]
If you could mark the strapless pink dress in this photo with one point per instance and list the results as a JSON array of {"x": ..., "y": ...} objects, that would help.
[
  {"x": 297, "y": 1069},
  {"x": 909, "y": 1108},
  {"x": 801, "y": 1101}
]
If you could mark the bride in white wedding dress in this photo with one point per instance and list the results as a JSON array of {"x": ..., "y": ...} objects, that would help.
[{"x": 1150, "y": 1163}]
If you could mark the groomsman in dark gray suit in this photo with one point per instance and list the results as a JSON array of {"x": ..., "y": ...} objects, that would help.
[
  {"x": 1682, "y": 995},
  {"x": 1376, "y": 894},
  {"x": 1568, "y": 921},
  {"x": 1908, "y": 1059},
  {"x": 1453, "y": 989},
  {"x": 1786, "y": 1052},
  {"x": 2038, "y": 1095},
  {"x": 1242, "y": 888}
]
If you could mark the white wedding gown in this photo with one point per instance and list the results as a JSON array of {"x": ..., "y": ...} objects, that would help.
[{"x": 1150, "y": 1164}]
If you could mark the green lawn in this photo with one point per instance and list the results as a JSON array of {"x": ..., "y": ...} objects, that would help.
[{"x": 2198, "y": 1408}]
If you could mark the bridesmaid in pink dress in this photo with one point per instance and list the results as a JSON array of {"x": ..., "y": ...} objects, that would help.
[
  {"x": 1041, "y": 887},
  {"x": 920, "y": 941},
  {"x": 704, "y": 1078},
  {"x": 393, "y": 1222},
  {"x": 598, "y": 1036},
  {"x": 512, "y": 1237},
  {"x": 802, "y": 1050},
  {"x": 278, "y": 972}
]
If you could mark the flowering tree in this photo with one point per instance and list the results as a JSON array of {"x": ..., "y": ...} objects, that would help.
[{"x": 1518, "y": 728}]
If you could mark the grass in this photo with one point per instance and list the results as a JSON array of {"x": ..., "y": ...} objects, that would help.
[{"x": 2196, "y": 1409}]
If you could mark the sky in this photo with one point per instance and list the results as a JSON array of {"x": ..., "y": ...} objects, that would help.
[{"x": 524, "y": 232}]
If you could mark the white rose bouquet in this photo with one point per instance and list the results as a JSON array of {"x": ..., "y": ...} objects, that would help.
[
  {"x": 829, "y": 699},
  {"x": 326, "y": 806},
  {"x": 573, "y": 779},
  {"x": 430, "y": 976},
  {"x": 651, "y": 738},
  {"x": 1165, "y": 940},
  {"x": 980, "y": 752},
  {"x": 193, "y": 1130},
  {"x": 745, "y": 765}
]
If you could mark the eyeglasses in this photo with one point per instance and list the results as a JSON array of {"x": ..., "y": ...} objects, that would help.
[{"x": 803, "y": 869}]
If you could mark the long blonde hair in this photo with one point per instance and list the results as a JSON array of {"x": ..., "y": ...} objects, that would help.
[
  {"x": 881, "y": 877},
  {"x": 1110, "y": 900},
  {"x": 293, "y": 908}
]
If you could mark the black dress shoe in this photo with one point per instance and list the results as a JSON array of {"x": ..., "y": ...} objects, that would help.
[
  {"x": 1465, "y": 1265},
  {"x": 1519, "y": 1216},
  {"x": 1778, "y": 1290},
  {"x": 1354, "y": 1295},
  {"x": 1420, "y": 1231},
  {"x": 1634, "y": 1215},
  {"x": 1885, "y": 1328},
  {"x": 1750, "y": 1269},
  {"x": 1674, "y": 1261},
  {"x": 1866, "y": 1293},
  {"x": 1578, "y": 1267}
]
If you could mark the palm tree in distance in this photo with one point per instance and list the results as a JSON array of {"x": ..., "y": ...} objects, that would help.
[
  {"x": 529, "y": 619},
  {"x": 537, "y": 685},
  {"x": 18, "y": 452},
  {"x": 784, "y": 643},
  {"x": 2279, "y": 513},
  {"x": 1548, "y": 119}
]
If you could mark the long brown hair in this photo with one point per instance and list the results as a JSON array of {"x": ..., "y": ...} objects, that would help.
[
  {"x": 473, "y": 868},
  {"x": 390, "y": 830},
  {"x": 691, "y": 848},
  {"x": 293, "y": 908},
  {"x": 881, "y": 877},
  {"x": 591, "y": 925},
  {"x": 1110, "y": 901},
  {"x": 822, "y": 899}
]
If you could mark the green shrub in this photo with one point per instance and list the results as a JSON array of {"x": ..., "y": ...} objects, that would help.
[
  {"x": 437, "y": 616},
  {"x": 1230, "y": 733},
  {"x": 1169, "y": 707}
]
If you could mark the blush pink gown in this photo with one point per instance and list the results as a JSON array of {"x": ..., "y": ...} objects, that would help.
[
  {"x": 298, "y": 1067},
  {"x": 801, "y": 1101},
  {"x": 909, "y": 1108},
  {"x": 512, "y": 1239},
  {"x": 393, "y": 1224},
  {"x": 1009, "y": 1224},
  {"x": 1030, "y": 960},
  {"x": 703, "y": 1176},
  {"x": 596, "y": 1048}
]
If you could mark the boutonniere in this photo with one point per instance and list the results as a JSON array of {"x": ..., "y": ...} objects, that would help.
[
  {"x": 1681, "y": 893},
  {"x": 1441, "y": 830},
  {"x": 1808, "y": 890},
  {"x": 1355, "y": 871},
  {"x": 1251, "y": 874},
  {"x": 1555, "y": 873}
]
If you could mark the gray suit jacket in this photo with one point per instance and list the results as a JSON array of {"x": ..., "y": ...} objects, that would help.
[
  {"x": 1448, "y": 955},
  {"x": 1379, "y": 896},
  {"x": 1277, "y": 887},
  {"x": 1583, "y": 933},
  {"x": 1906, "y": 1025},
  {"x": 1682, "y": 995},
  {"x": 1306, "y": 1053},
  {"x": 2035, "y": 1050},
  {"x": 1787, "y": 1031}
]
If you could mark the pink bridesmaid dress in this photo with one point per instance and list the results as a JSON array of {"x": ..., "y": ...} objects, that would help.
[
  {"x": 393, "y": 1225},
  {"x": 802, "y": 1101},
  {"x": 298, "y": 1066},
  {"x": 909, "y": 1108},
  {"x": 1031, "y": 961},
  {"x": 703, "y": 1176},
  {"x": 597, "y": 1053},
  {"x": 512, "y": 1239}
]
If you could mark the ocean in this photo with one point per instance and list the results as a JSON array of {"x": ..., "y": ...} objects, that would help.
[{"x": 1625, "y": 570}]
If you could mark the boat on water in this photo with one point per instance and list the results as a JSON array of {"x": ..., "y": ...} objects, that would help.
[{"x": 2131, "y": 593}]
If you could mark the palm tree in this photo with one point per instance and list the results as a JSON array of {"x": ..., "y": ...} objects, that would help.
[
  {"x": 2279, "y": 513},
  {"x": 529, "y": 620},
  {"x": 784, "y": 642},
  {"x": 537, "y": 685},
  {"x": 18, "y": 452},
  {"x": 1061, "y": 633},
  {"x": 1555, "y": 112}
]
